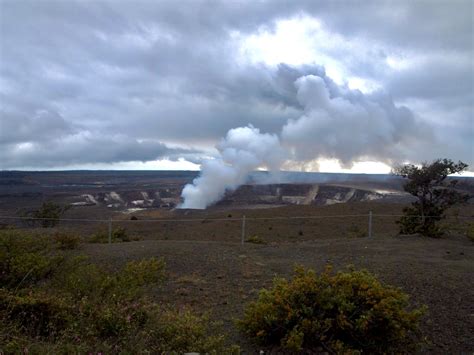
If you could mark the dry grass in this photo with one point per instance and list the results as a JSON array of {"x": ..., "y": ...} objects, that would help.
[{"x": 322, "y": 225}]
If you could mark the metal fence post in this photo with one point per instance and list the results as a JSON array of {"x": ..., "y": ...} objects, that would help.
[
  {"x": 370, "y": 224},
  {"x": 110, "y": 230},
  {"x": 243, "y": 230}
]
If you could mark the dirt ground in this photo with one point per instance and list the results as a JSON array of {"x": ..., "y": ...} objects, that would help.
[{"x": 211, "y": 272}]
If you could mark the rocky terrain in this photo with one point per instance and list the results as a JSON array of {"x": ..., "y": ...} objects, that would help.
[
  {"x": 129, "y": 191},
  {"x": 306, "y": 194}
]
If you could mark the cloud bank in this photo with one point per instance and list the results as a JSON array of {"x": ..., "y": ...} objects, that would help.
[{"x": 122, "y": 81}]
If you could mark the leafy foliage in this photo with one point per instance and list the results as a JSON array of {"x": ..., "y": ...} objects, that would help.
[
  {"x": 48, "y": 215},
  {"x": 119, "y": 234},
  {"x": 74, "y": 306},
  {"x": 470, "y": 232},
  {"x": 356, "y": 231},
  {"x": 25, "y": 258},
  {"x": 66, "y": 241},
  {"x": 434, "y": 192},
  {"x": 343, "y": 312},
  {"x": 255, "y": 239}
]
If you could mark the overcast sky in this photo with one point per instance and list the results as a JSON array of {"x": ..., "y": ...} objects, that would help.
[{"x": 360, "y": 85}]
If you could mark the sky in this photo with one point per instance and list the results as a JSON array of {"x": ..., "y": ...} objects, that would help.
[{"x": 355, "y": 86}]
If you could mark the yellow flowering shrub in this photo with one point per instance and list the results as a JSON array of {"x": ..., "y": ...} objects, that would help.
[{"x": 341, "y": 312}]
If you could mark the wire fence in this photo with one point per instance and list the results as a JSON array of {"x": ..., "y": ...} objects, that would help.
[{"x": 240, "y": 229}]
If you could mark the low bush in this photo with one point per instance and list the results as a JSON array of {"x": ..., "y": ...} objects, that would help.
[
  {"x": 81, "y": 307},
  {"x": 47, "y": 216},
  {"x": 412, "y": 223},
  {"x": 178, "y": 332},
  {"x": 66, "y": 241},
  {"x": 344, "y": 313},
  {"x": 34, "y": 314},
  {"x": 6, "y": 226},
  {"x": 470, "y": 232},
  {"x": 25, "y": 258},
  {"x": 255, "y": 239},
  {"x": 356, "y": 232},
  {"x": 119, "y": 234}
]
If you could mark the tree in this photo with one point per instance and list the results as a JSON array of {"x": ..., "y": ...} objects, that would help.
[
  {"x": 49, "y": 213},
  {"x": 435, "y": 193}
]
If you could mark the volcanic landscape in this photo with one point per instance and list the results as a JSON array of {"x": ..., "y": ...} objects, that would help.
[
  {"x": 292, "y": 219},
  {"x": 127, "y": 191}
]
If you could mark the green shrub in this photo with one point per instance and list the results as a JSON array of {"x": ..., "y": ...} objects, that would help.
[
  {"x": 35, "y": 314},
  {"x": 119, "y": 234},
  {"x": 81, "y": 307},
  {"x": 14, "y": 241},
  {"x": 47, "y": 216},
  {"x": 66, "y": 241},
  {"x": 255, "y": 239},
  {"x": 143, "y": 272},
  {"x": 412, "y": 223},
  {"x": 343, "y": 312},
  {"x": 470, "y": 232},
  {"x": 31, "y": 267},
  {"x": 7, "y": 226},
  {"x": 25, "y": 258},
  {"x": 98, "y": 237},
  {"x": 80, "y": 280},
  {"x": 356, "y": 232},
  {"x": 177, "y": 332}
]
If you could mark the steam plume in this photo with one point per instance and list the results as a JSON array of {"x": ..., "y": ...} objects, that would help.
[
  {"x": 337, "y": 123},
  {"x": 243, "y": 150},
  {"x": 349, "y": 126}
]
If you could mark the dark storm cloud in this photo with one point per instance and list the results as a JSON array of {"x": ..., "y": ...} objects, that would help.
[
  {"x": 85, "y": 149},
  {"x": 114, "y": 81}
]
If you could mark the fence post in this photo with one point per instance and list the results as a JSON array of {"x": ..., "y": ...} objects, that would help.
[
  {"x": 370, "y": 224},
  {"x": 243, "y": 230},
  {"x": 110, "y": 230}
]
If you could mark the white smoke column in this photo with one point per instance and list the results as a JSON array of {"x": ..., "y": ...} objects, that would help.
[
  {"x": 242, "y": 151},
  {"x": 337, "y": 123}
]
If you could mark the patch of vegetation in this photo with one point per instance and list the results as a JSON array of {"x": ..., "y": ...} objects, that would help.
[
  {"x": 66, "y": 241},
  {"x": 47, "y": 216},
  {"x": 470, "y": 232},
  {"x": 356, "y": 232},
  {"x": 347, "y": 312},
  {"x": 119, "y": 234},
  {"x": 6, "y": 226},
  {"x": 49, "y": 304},
  {"x": 255, "y": 239},
  {"x": 25, "y": 258},
  {"x": 434, "y": 193}
]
